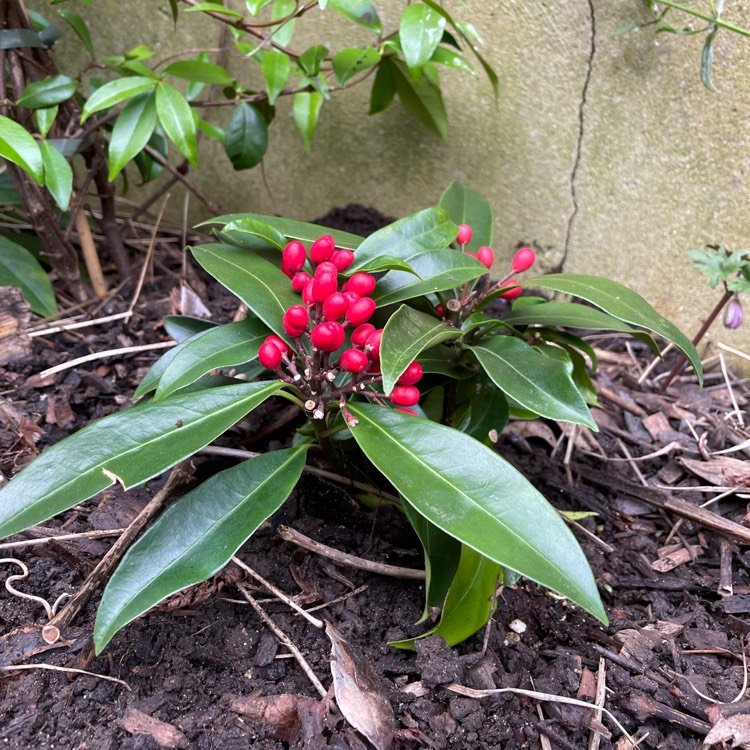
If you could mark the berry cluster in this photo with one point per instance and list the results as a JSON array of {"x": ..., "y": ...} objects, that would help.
[{"x": 318, "y": 327}]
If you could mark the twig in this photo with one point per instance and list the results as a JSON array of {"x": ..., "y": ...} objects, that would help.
[
  {"x": 90, "y": 256},
  {"x": 595, "y": 737},
  {"x": 51, "y": 631},
  {"x": 102, "y": 355},
  {"x": 14, "y": 667},
  {"x": 645, "y": 708},
  {"x": 79, "y": 324},
  {"x": 278, "y": 593},
  {"x": 291, "y": 535},
  {"x": 338, "y": 599},
  {"x": 726, "y": 584},
  {"x": 533, "y": 694},
  {"x": 588, "y": 534},
  {"x": 724, "y": 372},
  {"x": 61, "y": 538},
  {"x": 279, "y": 633},
  {"x": 632, "y": 464},
  {"x": 655, "y": 361}
]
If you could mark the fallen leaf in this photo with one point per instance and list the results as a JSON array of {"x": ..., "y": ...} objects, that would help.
[
  {"x": 287, "y": 717},
  {"x": 359, "y": 693},
  {"x": 165, "y": 735},
  {"x": 735, "y": 729},
  {"x": 186, "y": 302},
  {"x": 722, "y": 470}
]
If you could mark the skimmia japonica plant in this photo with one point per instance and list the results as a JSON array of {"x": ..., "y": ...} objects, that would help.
[{"x": 385, "y": 345}]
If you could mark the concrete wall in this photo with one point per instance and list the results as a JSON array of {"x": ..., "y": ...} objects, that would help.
[{"x": 606, "y": 153}]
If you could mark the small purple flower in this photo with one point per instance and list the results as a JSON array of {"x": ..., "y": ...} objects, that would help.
[{"x": 733, "y": 314}]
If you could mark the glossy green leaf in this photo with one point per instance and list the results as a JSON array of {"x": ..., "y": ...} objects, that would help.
[
  {"x": 422, "y": 98},
  {"x": 311, "y": 59},
  {"x": 19, "y": 38},
  {"x": 451, "y": 59},
  {"x": 444, "y": 360},
  {"x": 282, "y": 10},
  {"x": 176, "y": 117},
  {"x": 18, "y": 267},
  {"x": 220, "y": 347},
  {"x": 255, "y": 6},
  {"x": 622, "y": 303},
  {"x": 211, "y": 130},
  {"x": 19, "y": 147},
  {"x": 79, "y": 27},
  {"x": 486, "y": 411},
  {"x": 291, "y": 228},
  {"x": 45, "y": 118},
  {"x": 568, "y": 314},
  {"x": 252, "y": 234},
  {"x": 441, "y": 555},
  {"x": 361, "y": 12},
  {"x": 217, "y": 8},
  {"x": 115, "y": 92},
  {"x": 469, "y": 602},
  {"x": 276, "y": 68},
  {"x": 407, "y": 333},
  {"x": 196, "y": 537},
  {"x": 131, "y": 447},
  {"x": 199, "y": 71},
  {"x": 58, "y": 176},
  {"x": 261, "y": 285},
  {"x": 430, "y": 229},
  {"x": 473, "y": 494},
  {"x": 351, "y": 61},
  {"x": 182, "y": 327},
  {"x": 420, "y": 32},
  {"x": 466, "y": 206},
  {"x": 131, "y": 132},
  {"x": 9, "y": 195},
  {"x": 383, "y": 87},
  {"x": 147, "y": 165},
  {"x": 306, "y": 110},
  {"x": 48, "y": 92},
  {"x": 435, "y": 271},
  {"x": 535, "y": 381},
  {"x": 568, "y": 341},
  {"x": 246, "y": 138},
  {"x": 707, "y": 58}
]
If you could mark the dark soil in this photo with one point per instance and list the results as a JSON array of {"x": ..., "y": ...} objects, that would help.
[{"x": 204, "y": 671}]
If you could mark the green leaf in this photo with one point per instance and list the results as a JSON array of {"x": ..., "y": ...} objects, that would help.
[
  {"x": 199, "y": 71},
  {"x": 451, "y": 59},
  {"x": 407, "y": 333},
  {"x": 19, "y": 38},
  {"x": 131, "y": 447},
  {"x": 487, "y": 410},
  {"x": 622, "y": 303},
  {"x": 466, "y": 206},
  {"x": 430, "y": 229},
  {"x": 217, "y": 8},
  {"x": 58, "y": 176},
  {"x": 45, "y": 118},
  {"x": 196, "y": 537},
  {"x": 220, "y": 347},
  {"x": 422, "y": 98},
  {"x": 176, "y": 117},
  {"x": 246, "y": 139},
  {"x": 311, "y": 59},
  {"x": 567, "y": 314},
  {"x": 261, "y": 285},
  {"x": 9, "y": 195},
  {"x": 420, "y": 32},
  {"x": 131, "y": 132},
  {"x": 707, "y": 58},
  {"x": 361, "y": 12},
  {"x": 383, "y": 87},
  {"x": 283, "y": 9},
  {"x": 19, "y": 147},
  {"x": 469, "y": 603},
  {"x": 473, "y": 494},
  {"x": 433, "y": 271},
  {"x": 255, "y": 6},
  {"x": 538, "y": 383},
  {"x": 18, "y": 267},
  {"x": 149, "y": 167},
  {"x": 291, "y": 228},
  {"x": 115, "y": 92},
  {"x": 251, "y": 233},
  {"x": 182, "y": 327},
  {"x": 276, "y": 68},
  {"x": 351, "y": 61},
  {"x": 441, "y": 557},
  {"x": 306, "y": 109},
  {"x": 48, "y": 92},
  {"x": 444, "y": 360}
]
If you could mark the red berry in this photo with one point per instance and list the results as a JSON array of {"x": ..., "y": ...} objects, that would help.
[
  {"x": 372, "y": 347},
  {"x": 297, "y": 317},
  {"x": 361, "y": 283},
  {"x": 291, "y": 330},
  {"x": 279, "y": 343},
  {"x": 406, "y": 411},
  {"x": 412, "y": 374},
  {"x": 322, "y": 248},
  {"x": 440, "y": 310},
  {"x": 335, "y": 306},
  {"x": 324, "y": 286},
  {"x": 285, "y": 268},
  {"x": 299, "y": 280},
  {"x": 360, "y": 311},
  {"x": 524, "y": 259},
  {"x": 269, "y": 355},
  {"x": 342, "y": 259},
  {"x": 486, "y": 256},
  {"x": 326, "y": 267},
  {"x": 353, "y": 360},
  {"x": 511, "y": 293},
  {"x": 405, "y": 395},
  {"x": 373, "y": 368},
  {"x": 464, "y": 234},
  {"x": 360, "y": 334},
  {"x": 351, "y": 296},
  {"x": 328, "y": 336},
  {"x": 307, "y": 295},
  {"x": 294, "y": 255}
]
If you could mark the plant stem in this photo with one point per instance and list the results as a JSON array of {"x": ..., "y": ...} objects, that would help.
[{"x": 706, "y": 17}]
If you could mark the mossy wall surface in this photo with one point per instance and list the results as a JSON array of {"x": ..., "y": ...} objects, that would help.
[{"x": 604, "y": 152}]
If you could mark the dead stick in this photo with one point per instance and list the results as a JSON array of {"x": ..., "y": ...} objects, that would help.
[
  {"x": 644, "y": 708},
  {"x": 726, "y": 583},
  {"x": 90, "y": 256},
  {"x": 51, "y": 631},
  {"x": 290, "y": 535}
]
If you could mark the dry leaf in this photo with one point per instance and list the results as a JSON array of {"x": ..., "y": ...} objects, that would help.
[
  {"x": 287, "y": 717},
  {"x": 533, "y": 429},
  {"x": 722, "y": 470},
  {"x": 359, "y": 693},
  {"x": 735, "y": 729},
  {"x": 186, "y": 302},
  {"x": 165, "y": 735}
]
